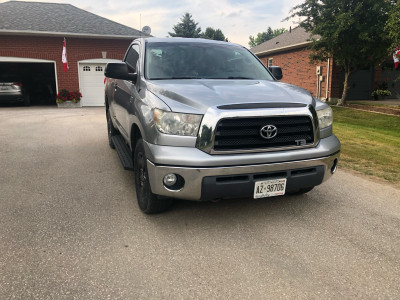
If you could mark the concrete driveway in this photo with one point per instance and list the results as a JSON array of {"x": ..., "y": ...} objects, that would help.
[{"x": 70, "y": 228}]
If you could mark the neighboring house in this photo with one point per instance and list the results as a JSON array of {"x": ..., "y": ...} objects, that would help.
[
  {"x": 290, "y": 51},
  {"x": 31, "y": 43}
]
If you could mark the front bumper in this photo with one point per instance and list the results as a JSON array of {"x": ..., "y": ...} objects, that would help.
[{"x": 206, "y": 182}]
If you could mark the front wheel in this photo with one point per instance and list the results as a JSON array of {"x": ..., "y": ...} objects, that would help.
[
  {"x": 149, "y": 203},
  {"x": 111, "y": 131}
]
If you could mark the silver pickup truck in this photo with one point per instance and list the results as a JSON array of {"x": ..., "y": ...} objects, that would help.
[{"x": 204, "y": 120}]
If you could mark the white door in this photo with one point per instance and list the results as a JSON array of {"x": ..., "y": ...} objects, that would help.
[{"x": 91, "y": 77}]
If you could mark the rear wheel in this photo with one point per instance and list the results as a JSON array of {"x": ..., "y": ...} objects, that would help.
[
  {"x": 27, "y": 100},
  {"x": 148, "y": 202},
  {"x": 110, "y": 129}
]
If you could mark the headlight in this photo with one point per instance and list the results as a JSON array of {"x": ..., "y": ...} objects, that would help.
[
  {"x": 176, "y": 123},
  {"x": 325, "y": 117}
]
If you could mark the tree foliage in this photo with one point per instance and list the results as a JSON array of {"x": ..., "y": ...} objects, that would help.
[
  {"x": 214, "y": 34},
  {"x": 186, "y": 28},
  {"x": 265, "y": 36},
  {"x": 351, "y": 31},
  {"x": 393, "y": 27}
]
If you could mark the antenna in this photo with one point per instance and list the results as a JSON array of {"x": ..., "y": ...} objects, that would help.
[{"x": 146, "y": 30}]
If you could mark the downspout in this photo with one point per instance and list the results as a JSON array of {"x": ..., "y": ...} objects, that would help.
[{"x": 327, "y": 78}]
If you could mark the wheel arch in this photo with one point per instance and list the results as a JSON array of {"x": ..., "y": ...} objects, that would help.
[{"x": 135, "y": 136}]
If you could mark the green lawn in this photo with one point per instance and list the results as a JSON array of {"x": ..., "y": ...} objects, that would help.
[{"x": 370, "y": 142}]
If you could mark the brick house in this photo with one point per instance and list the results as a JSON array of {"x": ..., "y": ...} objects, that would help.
[
  {"x": 290, "y": 51},
  {"x": 31, "y": 42}
]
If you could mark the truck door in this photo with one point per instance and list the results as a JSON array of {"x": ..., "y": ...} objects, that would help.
[{"x": 125, "y": 91}]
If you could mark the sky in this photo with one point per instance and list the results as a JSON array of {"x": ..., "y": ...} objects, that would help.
[{"x": 238, "y": 19}]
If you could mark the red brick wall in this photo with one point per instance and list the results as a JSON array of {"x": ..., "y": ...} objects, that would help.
[
  {"x": 50, "y": 48},
  {"x": 297, "y": 70}
]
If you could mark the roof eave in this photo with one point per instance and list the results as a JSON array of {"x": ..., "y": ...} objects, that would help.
[
  {"x": 286, "y": 48},
  {"x": 67, "y": 34}
]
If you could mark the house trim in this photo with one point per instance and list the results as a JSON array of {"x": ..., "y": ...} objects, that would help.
[
  {"x": 66, "y": 34},
  {"x": 291, "y": 47}
]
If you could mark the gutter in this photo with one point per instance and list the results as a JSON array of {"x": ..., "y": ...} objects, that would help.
[
  {"x": 327, "y": 78},
  {"x": 285, "y": 48},
  {"x": 69, "y": 34}
]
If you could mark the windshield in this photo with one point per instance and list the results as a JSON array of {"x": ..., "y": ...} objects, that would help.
[{"x": 201, "y": 61}]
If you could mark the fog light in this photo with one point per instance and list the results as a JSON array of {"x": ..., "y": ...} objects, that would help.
[{"x": 170, "y": 179}]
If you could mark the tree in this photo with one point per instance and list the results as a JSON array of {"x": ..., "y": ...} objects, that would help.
[
  {"x": 186, "y": 28},
  {"x": 265, "y": 36},
  {"x": 350, "y": 31},
  {"x": 279, "y": 31},
  {"x": 214, "y": 34},
  {"x": 393, "y": 27}
]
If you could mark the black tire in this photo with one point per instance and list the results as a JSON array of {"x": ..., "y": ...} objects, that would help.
[
  {"x": 111, "y": 131},
  {"x": 149, "y": 203},
  {"x": 301, "y": 191},
  {"x": 27, "y": 100}
]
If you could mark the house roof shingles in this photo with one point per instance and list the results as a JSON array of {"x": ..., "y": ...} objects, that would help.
[
  {"x": 54, "y": 19},
  {"x": 297, "y": 37}
]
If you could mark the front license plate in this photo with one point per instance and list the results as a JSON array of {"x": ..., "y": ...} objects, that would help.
[
  {"x": 4, "y": 88},
  {"x": 269, "y": 188}
]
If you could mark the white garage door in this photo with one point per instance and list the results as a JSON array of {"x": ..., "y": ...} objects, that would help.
[{"x": 91, "y": 77}]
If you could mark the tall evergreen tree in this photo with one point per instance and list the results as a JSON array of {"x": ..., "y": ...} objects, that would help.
[{"x": 186, "y": 28}]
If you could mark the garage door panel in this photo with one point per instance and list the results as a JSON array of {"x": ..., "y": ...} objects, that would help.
[{"x": 92, "y": 83}]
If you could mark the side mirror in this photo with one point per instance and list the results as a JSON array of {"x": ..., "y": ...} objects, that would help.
[
  {"x": 119, "y": 71},
  {"x": 276, "y": 71}
]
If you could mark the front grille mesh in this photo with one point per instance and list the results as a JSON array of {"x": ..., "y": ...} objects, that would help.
[{"x": 244, "y": 133}]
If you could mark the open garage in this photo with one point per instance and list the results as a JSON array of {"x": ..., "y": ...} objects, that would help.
[{"x": 38, "y": 78}]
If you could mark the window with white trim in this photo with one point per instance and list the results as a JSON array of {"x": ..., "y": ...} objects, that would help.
[
  {"x": 86, "y": 69},
  {"x": 270, "y": 62},
  {"x": 99, "y": 69}
]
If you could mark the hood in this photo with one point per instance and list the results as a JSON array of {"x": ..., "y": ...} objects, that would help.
[{"x": 197, "y": 95}]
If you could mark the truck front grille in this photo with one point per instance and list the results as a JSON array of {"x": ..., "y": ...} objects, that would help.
[{"x": 245, "y": 133}]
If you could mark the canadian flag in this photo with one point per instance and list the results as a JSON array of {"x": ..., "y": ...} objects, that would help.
[
  {"x": 396, "y": 57},
  {"x": 64, "y": 56}
]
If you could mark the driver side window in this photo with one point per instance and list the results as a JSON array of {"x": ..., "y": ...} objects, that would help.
[{"x": 132, "y": 58}]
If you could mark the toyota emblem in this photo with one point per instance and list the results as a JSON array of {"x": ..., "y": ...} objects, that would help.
[{"x": 268, "y": 132}]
